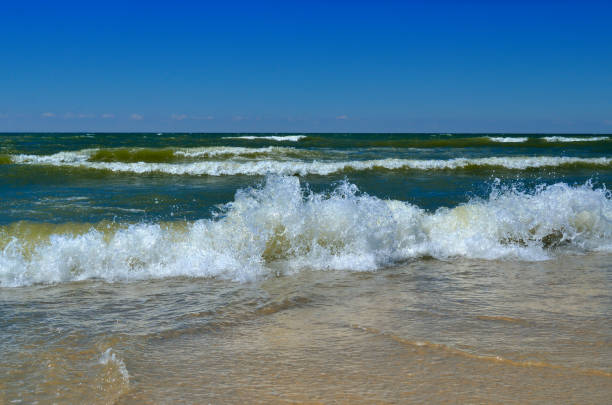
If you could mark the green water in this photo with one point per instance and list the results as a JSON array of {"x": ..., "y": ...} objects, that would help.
[{"x": 61, "y": 190}]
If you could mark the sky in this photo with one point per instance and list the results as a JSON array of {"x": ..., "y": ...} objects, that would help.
[{"x": 306, "y": 66}]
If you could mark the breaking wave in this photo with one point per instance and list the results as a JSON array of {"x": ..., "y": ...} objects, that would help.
[
  {"x": 157, "y": 155},
  {"x": 550, "y": 139},
  {"x": 575, "y": 139},
  {"x": 285, "y": 138},
  {"x": 281, "y": 226},
  {"x": 287, "y": 164},
  {"x": 508, "y": 139}
]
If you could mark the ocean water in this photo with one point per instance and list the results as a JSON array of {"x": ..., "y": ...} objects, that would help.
[{"x": 276, "y": 268}]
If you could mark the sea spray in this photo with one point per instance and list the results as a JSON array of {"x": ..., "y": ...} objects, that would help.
[
  {"x": 282, "y": 224},
  {"x": 109, "y": 358}
]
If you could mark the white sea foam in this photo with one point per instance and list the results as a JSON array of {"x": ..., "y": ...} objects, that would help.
[
  {"x": 55, "y": 159},
  {"x": 575, "y": 139},
  {"x": 285, "y": 138},
  {"x": 508, "y": 139},
  {"x": 213, "y": 151},
  {"x": 71, "y": 157},
  {"x": 280, "y": 225},
  {"x": 301, "y": 167}
]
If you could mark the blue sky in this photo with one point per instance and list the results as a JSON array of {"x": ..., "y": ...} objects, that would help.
[{"x": 431, "y": 66}]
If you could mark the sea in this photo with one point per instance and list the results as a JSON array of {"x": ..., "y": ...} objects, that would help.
[{"x": 164, "y": 268}]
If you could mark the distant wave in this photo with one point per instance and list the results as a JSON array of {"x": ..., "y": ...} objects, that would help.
[
  {"x": 575, "y": 139},
  {"x": 301, "y": 167},
  {"x": 285, "y": 138},
  {"x": 233, "y": 151},
  {"x": 280, "y": 226},
  {"x": 212, "y": 151},
  {"x": 558, "y": 139},
  {"x": 507, "y": 139},
  {"x": 158, "y": 155}
]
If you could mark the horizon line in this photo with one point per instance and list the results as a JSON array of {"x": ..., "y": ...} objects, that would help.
[{"x": 315, "y": 133}]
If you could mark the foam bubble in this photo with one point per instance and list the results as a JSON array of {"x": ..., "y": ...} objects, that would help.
[{"x": 281, "y": 225}]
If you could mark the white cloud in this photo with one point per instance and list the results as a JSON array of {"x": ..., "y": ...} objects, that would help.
[
  {"x": 137, "y": 117},
  {"x": 180, "y": 117},
  {"x": 342, "y": 117},
  {"x": 71, "y": 115},
  {"x": 47, "y": 115},
  {"x": 108, "y": 116}
]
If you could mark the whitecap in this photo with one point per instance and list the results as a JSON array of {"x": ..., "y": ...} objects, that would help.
[
  {"x": 302, "y": 167},
  {"x": 284, "y": 138},
  {"x": 282, "y": 225},
  {"x": 508, "y": 139},
  {"x": 575, "y": 139}
]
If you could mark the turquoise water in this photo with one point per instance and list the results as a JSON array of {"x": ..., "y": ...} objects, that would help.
[{"x": 141, "y": 263}]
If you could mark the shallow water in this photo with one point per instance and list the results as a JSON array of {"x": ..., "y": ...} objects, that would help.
[
  {"x": 126, "y": 282},
  {"x": 427, "y": 331}
]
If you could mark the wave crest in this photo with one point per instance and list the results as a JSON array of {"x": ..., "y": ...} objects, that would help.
[
  {"x": 288, "y": 165},
  {"x": 281, "y": 225},
  {"x": 277, "y": 138},
  {"x": 508, "y": 139},
  {"x": 575, "y": 139}
]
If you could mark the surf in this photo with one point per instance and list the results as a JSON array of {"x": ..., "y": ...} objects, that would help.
[
  {"x": 289, "y": 165},
  {"x": 281, "y": 226}
]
